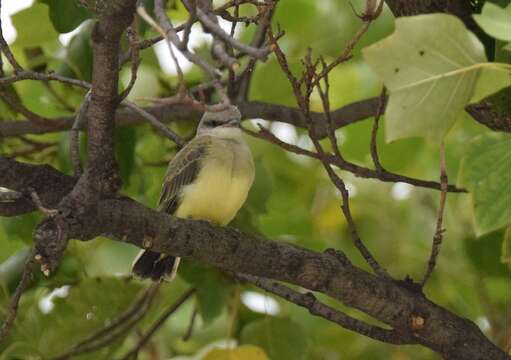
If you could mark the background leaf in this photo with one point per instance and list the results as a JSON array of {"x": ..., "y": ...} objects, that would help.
[
  {"x": 213, "y": 288},
  {"x": 495, "y": 21},
  {"x": 66, "y": 15},
  {"x": 429, "y": 81},
  {"x": 486, "y": 172},
  {"x": 280, "y": 338},
  {"x": 246, "y": 352}
]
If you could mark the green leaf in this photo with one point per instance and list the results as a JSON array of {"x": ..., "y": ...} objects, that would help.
[
  {"x": 484, "y": 253},
  {"x": 261, "y": 189},
  {"x": 281, "y": 338},
  {"x": 495, "y": 21},
  {"x": 66, "y": 15},
  {"x": 505, "y": 256},
  {"x": 213, "y": 288},
  {"x": 490, "y": 81},
  {"x": 486, "y": 172},
  {"x": 78, "y": 60},
  {"x": 88, "y": 306},
  {"x": 429, "y": 81},
  {"x": 92, "y": 303},
  {"x": 19, "y": 228},
  {"x": 125, "y": 142},
  {"x": 33, "y": 26},
  {"x": 245, "y": 352},
  {"x": 146, "y": 85}
]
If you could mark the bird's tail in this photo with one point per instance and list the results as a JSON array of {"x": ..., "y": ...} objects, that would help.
[{"x": 153, "y": 265}]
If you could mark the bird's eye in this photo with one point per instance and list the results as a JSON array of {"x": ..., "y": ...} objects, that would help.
[{"x": 214, "y": 123}]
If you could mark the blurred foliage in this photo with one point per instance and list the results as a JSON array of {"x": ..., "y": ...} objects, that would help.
[{"x": 292, "y": 200}]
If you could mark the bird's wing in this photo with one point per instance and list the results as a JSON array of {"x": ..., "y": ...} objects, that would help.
[{"x": 182, "y": 170}]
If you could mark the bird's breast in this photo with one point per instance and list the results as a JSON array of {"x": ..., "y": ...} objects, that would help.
[{"x": 222, "y": 185}]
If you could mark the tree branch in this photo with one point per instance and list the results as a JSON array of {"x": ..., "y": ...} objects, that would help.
[
  {"x": 229, "y": 249},
  {"x": 315, "y": 307},
  {"x": 343, "y": 116}
]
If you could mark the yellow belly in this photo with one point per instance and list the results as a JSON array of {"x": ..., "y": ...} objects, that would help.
[{"x": 219, "y": 191}]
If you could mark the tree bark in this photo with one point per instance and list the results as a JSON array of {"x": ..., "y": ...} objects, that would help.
[{"x": 397, "y": 304}]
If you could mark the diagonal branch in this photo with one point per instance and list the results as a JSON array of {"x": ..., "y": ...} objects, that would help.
[{"x": 315, "y": 307}]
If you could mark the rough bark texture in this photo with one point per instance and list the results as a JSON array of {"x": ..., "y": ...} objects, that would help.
[
  {"x": 50, "y": 184},
  {"x": 343, "y": 116},
  {"x": 393, "y": 303}
]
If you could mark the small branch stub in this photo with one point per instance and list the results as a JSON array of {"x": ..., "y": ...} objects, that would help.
[
  {"x": 417, "y": 322},
  {"x": 147, "y": 243}
]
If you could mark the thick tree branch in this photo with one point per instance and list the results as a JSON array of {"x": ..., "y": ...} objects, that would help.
[
  {"x": 229, "y": 249},
  {"x": 343, "y": 116},
  {"x": 106, "y": 35},
  {"x": 50, "y": 184}
]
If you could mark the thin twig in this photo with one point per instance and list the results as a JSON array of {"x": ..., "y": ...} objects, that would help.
[
  {"x": 12, "y": 309},
  {"x": 156, "y": 123},
  {"x": 303, "y": 101},
  {"x": 357, "y": 170},
  {"x": 39, "y": 205},
  {"x": 33, "y": 75},
  {"x": 188, "y": 334},
  {"x": 439, "y": 231},
  {"x": 374, "y": 133},
  {"x": 74, "y": 135},
  {"x": 258, "y": 53},
  {"x": 171, "y": 34},
  {"x": 368, "y": 17},
  {"x": 161, "y": 320},
  {"x": 315, "y": 307},
  {"x": 135, "y": 62},
  {"x": 257, "y": 41},
  {"x": 141, "y": 11},
  {"x": 7, "y": 51}
]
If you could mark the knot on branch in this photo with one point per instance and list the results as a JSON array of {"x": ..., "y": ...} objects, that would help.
[
  {"x": 417, "y": 322},
  {"x": 50, "y": 243}
]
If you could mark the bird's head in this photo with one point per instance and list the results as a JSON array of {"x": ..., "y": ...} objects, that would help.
[{"x": 225, "y": 122}]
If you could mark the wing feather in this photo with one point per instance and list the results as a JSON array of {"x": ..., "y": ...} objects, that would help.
[{"x": 182, "y": 170}]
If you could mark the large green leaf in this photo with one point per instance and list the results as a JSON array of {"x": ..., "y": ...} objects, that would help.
[
  {"x": 486, "y": 172},
  {"x": 281, "y": 338},
  {"x": 495, "y": 21},
  {"x": 429, "y": 81},
  {"x": 33, "y": 26}
]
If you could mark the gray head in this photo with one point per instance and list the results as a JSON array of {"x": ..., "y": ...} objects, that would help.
[{"x": 229, "y": 117}]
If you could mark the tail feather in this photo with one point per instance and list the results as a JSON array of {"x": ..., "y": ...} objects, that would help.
[{"x": 153, "y": 265}]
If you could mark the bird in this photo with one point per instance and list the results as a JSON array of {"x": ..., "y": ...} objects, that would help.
[{"x": 208, "y": 179}]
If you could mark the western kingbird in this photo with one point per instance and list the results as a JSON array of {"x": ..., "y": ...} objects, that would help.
[{"x": 208, "y": 179}]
